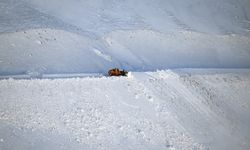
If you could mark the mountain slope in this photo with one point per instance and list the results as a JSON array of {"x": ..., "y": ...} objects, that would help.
[
  {"x": 138, "y": 36},
  {"x": 70, "y": 45}
]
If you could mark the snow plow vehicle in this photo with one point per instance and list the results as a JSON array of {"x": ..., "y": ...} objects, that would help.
[{"x": 117, "y": 72}]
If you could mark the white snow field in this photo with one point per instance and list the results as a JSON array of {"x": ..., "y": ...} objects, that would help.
[
  {"x": 180, "y": 109},
  {"x": 54, "y": 92},
  {"x": 91, "y": 36}
]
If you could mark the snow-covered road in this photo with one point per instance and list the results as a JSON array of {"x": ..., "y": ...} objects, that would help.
[{"x": 172, "y": 109}]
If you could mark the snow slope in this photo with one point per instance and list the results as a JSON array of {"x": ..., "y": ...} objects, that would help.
[
  {"x": 179, "y": 109},
  {"x": 79, "y": 36},
  {"x": 77, "y": 41}
]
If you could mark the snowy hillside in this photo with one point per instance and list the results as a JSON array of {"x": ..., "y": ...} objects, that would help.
[
  {"x": 72, "y": 36},
  {"x": 54, "y": 92}
]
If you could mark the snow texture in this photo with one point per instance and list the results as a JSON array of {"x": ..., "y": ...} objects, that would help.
[
  {"x": 91, "y": 36},
  {"x": 179, "y": 109},
  {"x": 54, "y": 55}
]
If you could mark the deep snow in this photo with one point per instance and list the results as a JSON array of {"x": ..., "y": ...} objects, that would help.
[
  {"x": 70, "y": 44},
  {"x": 179, "y": 109},
  {"x": 91, "y": 36}
]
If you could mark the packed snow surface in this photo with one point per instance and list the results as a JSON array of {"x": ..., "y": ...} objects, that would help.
[{"x": 178, "y": 109}]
